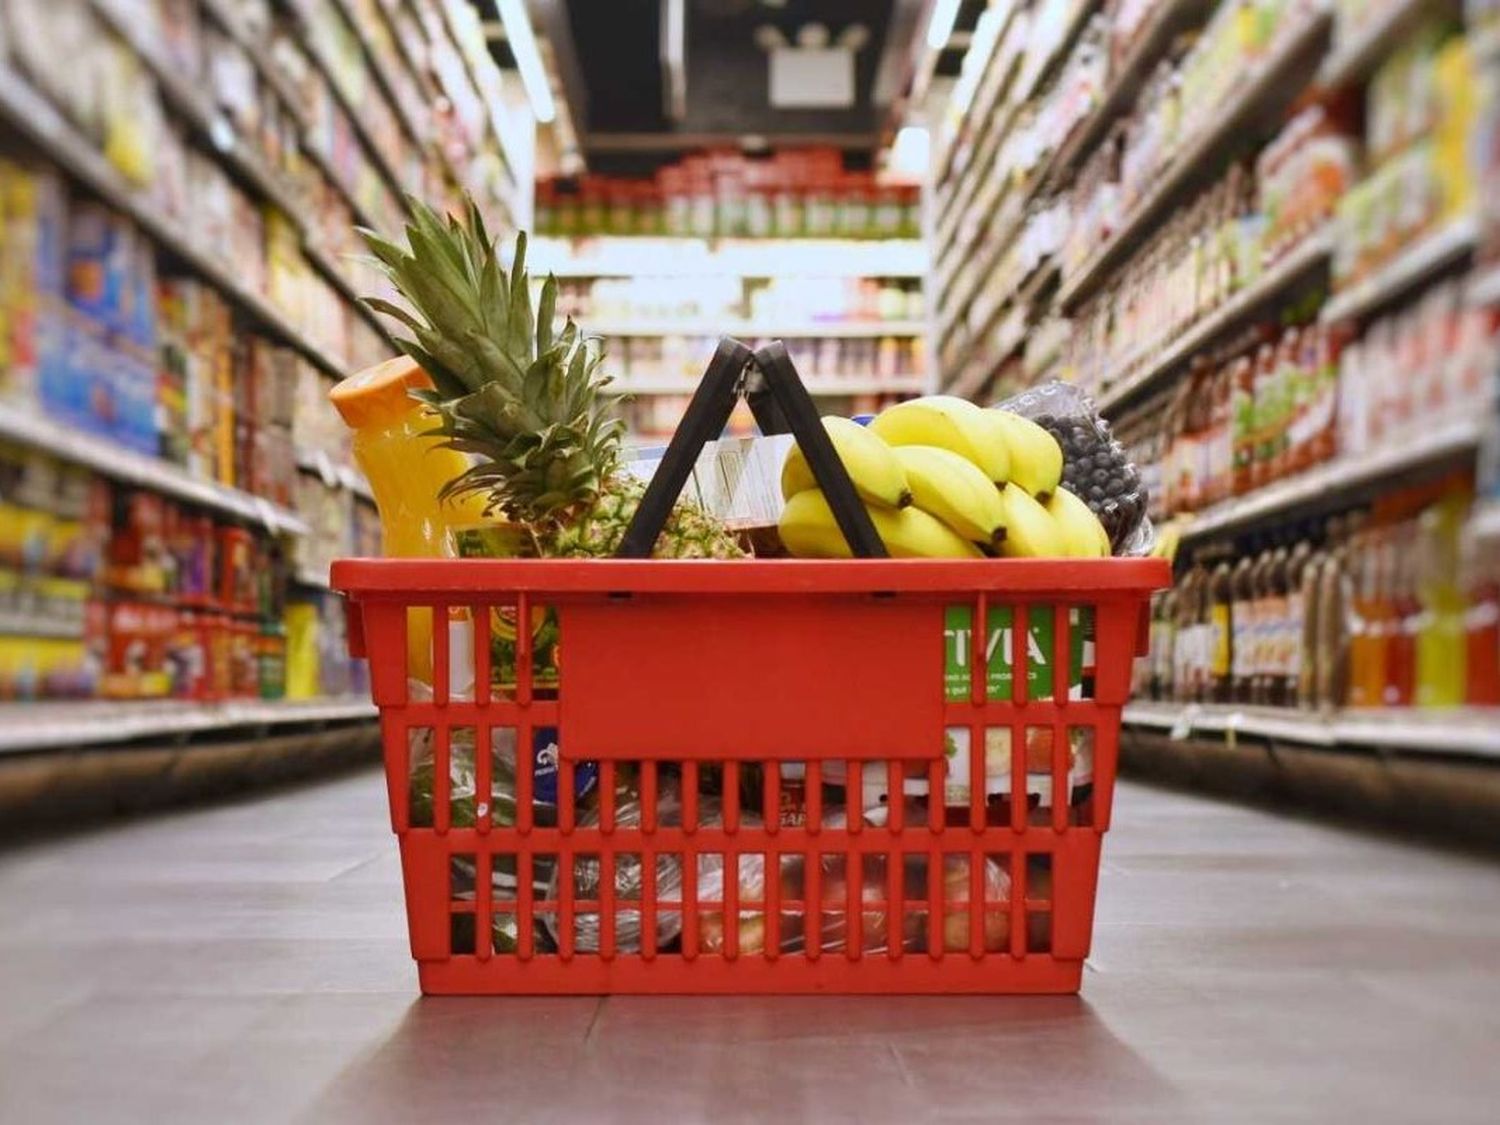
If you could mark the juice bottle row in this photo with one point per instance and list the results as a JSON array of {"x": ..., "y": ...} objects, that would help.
[
  {"x": 1394, "y": 606},
  {"x": 790, "y": 194},
  {"x": 1273, "y": 402}
]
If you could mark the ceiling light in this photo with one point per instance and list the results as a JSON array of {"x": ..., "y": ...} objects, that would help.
[
  {"x": 944, "y": 16},
  {"x": 528, "y": 59}
]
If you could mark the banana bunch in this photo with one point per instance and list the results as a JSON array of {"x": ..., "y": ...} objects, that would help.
[{"x": 943, "y": 478}]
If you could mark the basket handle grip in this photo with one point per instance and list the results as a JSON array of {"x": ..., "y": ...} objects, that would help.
[{"x": 782, "y": 400}]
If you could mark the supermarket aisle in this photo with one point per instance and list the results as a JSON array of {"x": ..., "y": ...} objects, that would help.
[{"x": 249, "y": 964}]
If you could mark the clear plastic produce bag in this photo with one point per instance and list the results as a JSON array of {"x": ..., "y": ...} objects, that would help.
[{"x": 1096, "y": 467}]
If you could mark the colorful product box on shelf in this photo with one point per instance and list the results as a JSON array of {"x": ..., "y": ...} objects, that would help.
[{"x": 33, "y": 220}]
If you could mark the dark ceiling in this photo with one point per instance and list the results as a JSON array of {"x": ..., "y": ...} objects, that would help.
[{"x": 620, "y": 108}]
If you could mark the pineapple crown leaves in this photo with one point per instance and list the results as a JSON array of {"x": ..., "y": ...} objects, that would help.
[{"x": 529, "y": 403}]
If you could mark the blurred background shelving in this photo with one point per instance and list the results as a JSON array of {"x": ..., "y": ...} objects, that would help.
[
  {"x": 1266, "y": 248},
  {"x": 179, "y": 282}
]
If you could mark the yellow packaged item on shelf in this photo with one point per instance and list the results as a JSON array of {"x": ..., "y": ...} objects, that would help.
[{"x": 303, "y": 665}]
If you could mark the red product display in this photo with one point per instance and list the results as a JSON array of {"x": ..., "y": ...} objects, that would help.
[{"x": 725, "y": 670}]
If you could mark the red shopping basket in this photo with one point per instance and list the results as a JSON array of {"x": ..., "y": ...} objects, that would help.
[{"x": 770, "y": 775}]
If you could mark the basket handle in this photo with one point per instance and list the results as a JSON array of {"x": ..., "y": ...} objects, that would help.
[{"x": 782, "y": 401}]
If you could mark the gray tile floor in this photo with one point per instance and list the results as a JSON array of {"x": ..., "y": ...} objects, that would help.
[{"x": 248, "y": 963}]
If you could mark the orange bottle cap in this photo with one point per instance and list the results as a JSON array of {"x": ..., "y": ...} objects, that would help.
[{"x": 378, "y": 394}]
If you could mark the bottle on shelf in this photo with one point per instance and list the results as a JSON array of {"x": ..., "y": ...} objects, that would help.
[
  {"x": 1405, "y": 617},
  {"x": 1290, "y": 646},
  {"x": 1335, "y": 595},
  {"x": 1309, "y": 655},
  {"x": 1369, "y": 618},
  {"x": 1273, "y": 677},
  {"x": 1440, "y": 647},
  {"x": 1220, "y": 600},
  {"x": 1244, "y": 613},
  {"x": 1479, "y": 561}
]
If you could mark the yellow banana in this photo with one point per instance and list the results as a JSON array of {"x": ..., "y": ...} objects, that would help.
[
  {"x": 1083, "y": 534},
  {"x": 948, "y": 423},
  {"x": 870, "y": 462},
  {"x": 1030, "y": 533},
  {"x": 809, "y": 531},
  {"x": 955, "y": 490},
  {"x": 1036, "y": 460}
]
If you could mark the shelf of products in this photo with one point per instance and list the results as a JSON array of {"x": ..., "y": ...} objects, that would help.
[
  {"x": 1312, "y": 254},
  {"x": 1327, "y": 484},
  {"x": 130, "y": 467},
  {"x": 29, "y": 726},
  {"x": 1463, "y": 731},
  {"x": 1413, "y": 265},
  {"x": 1264, "y": 237},
  {"x": 179, "y": 284},
  {"x": 1367, "y": 33},
  {"x": 28, "y": 111},
  {"x": 1148, "y": 40},
  {"x": 1267, "y": 81},
  {"x": 798, "y": 193}
]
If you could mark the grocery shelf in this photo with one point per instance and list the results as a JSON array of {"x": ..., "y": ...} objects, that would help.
[
  {"x": 1484, "y": 286},
  {"x": 956, "y": 211},
  {"x": 963, "y": 202},
  {"x": 42, "y": 726},
  {"x": 980, "y": 105},
  {"x": 195, "y": 108},
  {"x": 376, "y": 66},
  {"x": 224, "y": 13},
  {"x": 30, "y": 625},
  {"x": 646, "y": 256},
  {"x": 1150, "y": 44},
  {"x": 816, "y": 329},
  {"x": 1414, "y": 265},
  {"x": 1350, "y": 63},
  {"x": 1464, "y": 730},
  {"x": 103, "y": 456},
  {"x": 333, "y": 474},
  {"x": 372, "y": 149},
  {"x": 984, "y": 124},
  {"x": 1486, "y": 519},
  {"x": 1313, "y": 252},
  {"x": 450, "y": 11},
  {"x": 1264, "y": 83},
  {"x": 825, "y": 386},
  {"x": 1335, "y": 479},
  {"x": 37, "y": 118}
]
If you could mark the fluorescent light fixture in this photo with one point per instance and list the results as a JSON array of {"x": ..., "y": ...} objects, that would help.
[
  {"x": 944, "y": 16},
  {"x": 528, "y": 59}
]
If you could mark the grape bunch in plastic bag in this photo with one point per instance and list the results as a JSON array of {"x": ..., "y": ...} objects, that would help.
[{"x": 1096, "y": 467}]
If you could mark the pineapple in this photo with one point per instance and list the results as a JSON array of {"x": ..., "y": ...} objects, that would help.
[{"x": 529, "y": 404}]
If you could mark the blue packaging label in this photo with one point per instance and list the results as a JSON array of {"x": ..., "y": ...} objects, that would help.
[{"x": 544, "y": 768}]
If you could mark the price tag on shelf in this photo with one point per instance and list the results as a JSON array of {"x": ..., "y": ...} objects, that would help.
[
  {"x": 221, "y": 133},
  {"x": 267, "y": 514},
  {"x": 1232, "y": 727},
  {"x": 326, "y": 469},
  {"x": 1184, "y": 724}
]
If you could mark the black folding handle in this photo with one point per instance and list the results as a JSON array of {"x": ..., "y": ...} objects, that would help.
[{"x": 779, "y": 402}]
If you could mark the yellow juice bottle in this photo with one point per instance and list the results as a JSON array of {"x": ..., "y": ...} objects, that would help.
[
  {"x": 1441, "y": 671},
  {"x": 406, "y": 471}
]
